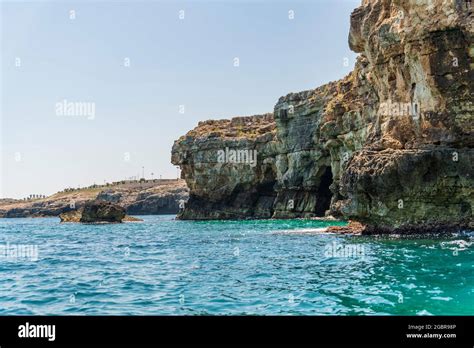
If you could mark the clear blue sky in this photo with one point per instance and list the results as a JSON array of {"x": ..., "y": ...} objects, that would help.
[{"x": 173, "y": 62}]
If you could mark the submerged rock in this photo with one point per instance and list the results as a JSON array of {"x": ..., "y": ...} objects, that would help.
[
  {"x": 390, "y": 145},
  {"x": 129, "y": 218}
]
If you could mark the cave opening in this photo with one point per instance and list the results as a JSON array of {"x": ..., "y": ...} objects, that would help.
[{"x": 324, "y": 195}]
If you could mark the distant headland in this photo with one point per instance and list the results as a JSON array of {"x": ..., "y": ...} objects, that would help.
[{"x": 137, "y": 197}]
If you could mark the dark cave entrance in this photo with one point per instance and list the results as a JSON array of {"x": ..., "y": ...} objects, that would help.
[{"x": 324, "y": 195}]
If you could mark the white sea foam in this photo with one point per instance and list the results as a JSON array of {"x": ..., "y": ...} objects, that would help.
[
  {"x": 459, "y": 244},
  {"x": 321, "y": 230}
]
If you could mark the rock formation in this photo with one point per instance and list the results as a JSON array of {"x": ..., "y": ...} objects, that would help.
[
  {"x": 390, "y": 145},
  {"x": 241, "y": 189},
  {"x": 96, "y": 211}
]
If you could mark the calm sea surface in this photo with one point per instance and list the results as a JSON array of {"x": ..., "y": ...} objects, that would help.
[{"x": 166, "y": 267}]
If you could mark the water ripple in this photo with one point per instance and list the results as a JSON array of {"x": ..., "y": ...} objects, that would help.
[{"x": 168, "y": 267}]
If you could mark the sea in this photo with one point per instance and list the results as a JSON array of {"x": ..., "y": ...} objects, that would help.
[{"x": 163, "y": 266}]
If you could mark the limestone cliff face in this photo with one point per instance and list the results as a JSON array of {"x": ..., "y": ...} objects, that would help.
[
  {"x": 229, "y": 166},
  {"x": 415, "y": 167},
  {"x": 389, "y": 145}
]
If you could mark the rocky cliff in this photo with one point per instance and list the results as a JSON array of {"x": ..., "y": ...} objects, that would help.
[
  {"x": 147, "y": 198},
  {"x": 229, "y": 169},
  {"x": 390, "y": 145}
]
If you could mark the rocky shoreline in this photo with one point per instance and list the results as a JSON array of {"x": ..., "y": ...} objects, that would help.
[
  {"x": 137, "y": 198},
  {"x": 390, "y": 146}
]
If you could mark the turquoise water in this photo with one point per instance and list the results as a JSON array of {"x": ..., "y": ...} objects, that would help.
[{"x": 163, "y": 266}]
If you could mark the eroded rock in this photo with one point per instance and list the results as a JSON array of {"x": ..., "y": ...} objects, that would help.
[
  {"x": 390, "y": 145},
  {"x": 98, "y": 212}
]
